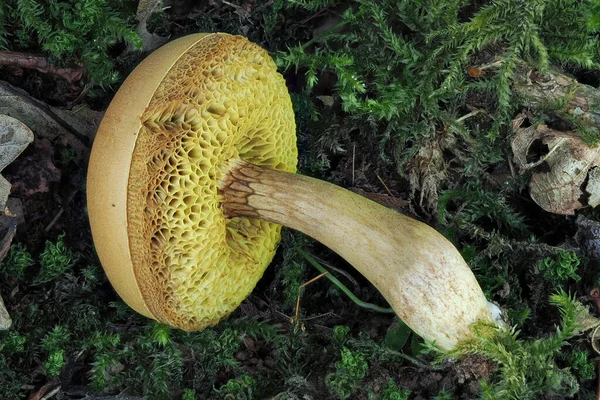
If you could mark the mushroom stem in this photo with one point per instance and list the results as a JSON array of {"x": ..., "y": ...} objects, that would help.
[{"x": 416, "y": 269}]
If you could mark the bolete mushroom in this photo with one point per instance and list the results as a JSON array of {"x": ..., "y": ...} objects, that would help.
[{"x": 192, "y": 175}]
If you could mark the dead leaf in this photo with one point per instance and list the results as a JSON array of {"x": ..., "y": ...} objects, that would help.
[
  {"x": 593, "y": 187},
  {"x": 51, "y": 122},
  {"x": 5, "y": 320},
  {"x": 12, "y": 216},
  {"x": 33, "y": 172},
  {"x": 9, "y": 220},
  {"x": 5, "y": 187},
  {"x": 14, "y": 138},
  {"x": 475, "y": 72},
  {"x": 243, "y": 11},
  {"x": 327, "y": 100},
  {"x": 564, "y": 169}
]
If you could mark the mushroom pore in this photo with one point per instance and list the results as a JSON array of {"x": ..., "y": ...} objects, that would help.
[{"x": 192, "y": 175}]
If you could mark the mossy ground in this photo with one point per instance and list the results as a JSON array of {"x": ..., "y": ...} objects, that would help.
[{"x": 398, "y": 146}]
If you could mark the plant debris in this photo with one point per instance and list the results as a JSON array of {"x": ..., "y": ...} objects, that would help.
[
  {"x": 407, "y": 103},
  {"x": 14, "y": 138},
  {"x": 565, "y": 174}
]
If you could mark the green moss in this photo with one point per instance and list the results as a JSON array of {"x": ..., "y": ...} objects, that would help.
[
  {"x": 528, "y": 368},
  {"x": 349, "y": 371},
  {"x": 241, "y": 388},
  {"x": 55, "y": 261},
  {"x": 80, "y": 32},
  {"x": 393, "y": 392},
  {"x": 16, "y": 262},
  {"x": 558, "y": 270},
  {"x": 582, "y": 365}
]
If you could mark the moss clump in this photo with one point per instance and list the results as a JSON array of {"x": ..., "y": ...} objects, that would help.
[
  {"x": 82, "y": 32},
  {"x": 55, "y": 260}
]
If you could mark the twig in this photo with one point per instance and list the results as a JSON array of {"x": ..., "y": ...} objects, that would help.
[
  {"x": 469, "y": 115},
  {"x": 339, "y": 271},
  {"x": 494, "y": 64},
  {"x": 327, "y": 314},
  {"x": 318, "y": 14},
  {"x": 341, "y": 286},
  {"x": 316, "y": 278},
  {"x": 353, "y": 159},
  {"x": 52, "y": 393},
  {"x": 60, "y": 212},
  {"x": 387, "y": 189},
  {"x": 324, "y": 34},
  {"x": 416, "y": 361},
  {"x": 55, "y": 219},
  {"x": 41, "y": 64}
]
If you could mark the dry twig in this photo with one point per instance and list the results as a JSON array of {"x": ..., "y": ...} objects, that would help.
[{"x": 41, "y": 64}]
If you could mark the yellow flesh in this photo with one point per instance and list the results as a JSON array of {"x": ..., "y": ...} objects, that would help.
[{"x": 222, "y": 100}]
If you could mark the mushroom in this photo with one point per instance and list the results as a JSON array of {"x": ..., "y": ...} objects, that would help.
[{"x": 192, "y": 174}]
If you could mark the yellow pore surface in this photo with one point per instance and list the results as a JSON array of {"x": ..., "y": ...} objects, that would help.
[{"x": 222, "y": 100}]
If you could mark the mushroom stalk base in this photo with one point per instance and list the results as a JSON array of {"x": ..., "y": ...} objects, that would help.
[{"x": 418, "y": 271}]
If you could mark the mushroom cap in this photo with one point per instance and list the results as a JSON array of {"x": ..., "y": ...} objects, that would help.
[{"x": 182, "y": 116}]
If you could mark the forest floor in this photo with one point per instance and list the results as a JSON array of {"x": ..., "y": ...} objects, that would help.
[{"x": 73, "y": 338}]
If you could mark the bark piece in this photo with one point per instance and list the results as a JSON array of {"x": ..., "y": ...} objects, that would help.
[
  {"x": 561, "y": 95},
  {"x": 588, "y": 236},
  {"x": 51, "y": 122},
  {"x": 146, "y": 8},
  {"x": 41, "y": 64}
]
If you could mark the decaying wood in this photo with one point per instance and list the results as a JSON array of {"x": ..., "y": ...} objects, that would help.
[
  {"x": 150, "y": 41},
  {"x": 556, "y": 93},
  {"x": 78, "y": 127},
  {"x": 41, "y": 64},
  {"x": 567, "y": 177}
]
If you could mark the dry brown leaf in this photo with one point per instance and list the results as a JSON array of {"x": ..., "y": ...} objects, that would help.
[
  {"x": 34, "y": 171},
  {"x": 14, "y": 138},
  {"x": 565, "y": 175},
  {"x": 475, "y": 72},
  {"x": 12, "y": 216},
  {"x": 328, "y": 101}
]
